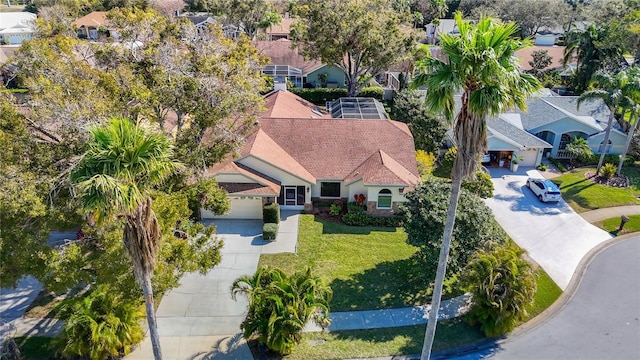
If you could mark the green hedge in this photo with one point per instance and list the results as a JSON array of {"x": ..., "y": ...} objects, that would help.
[
  {"x": 269, "y": 231},
  {"x": 271, "y": 213},
  {"x": 375, "y": 92},
  {"x": 320, "y": 96},
  {"x": 362, "y": 219}
]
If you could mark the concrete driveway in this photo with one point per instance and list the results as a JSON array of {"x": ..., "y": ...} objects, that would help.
[
  {"x": 199, "y": 319},
  {"x": 553, "y": 235}
]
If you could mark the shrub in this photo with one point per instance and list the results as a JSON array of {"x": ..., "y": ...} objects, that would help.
[
  {"x": 612, "y": 159},
  {"x": 629, "y": 160},
  {"x": 269, "y": 231},
  {"x": 335, "y": 209},
  {"x": 448, "y": 159},
  {"x": 375, "y": 92},
  {"x": 426, "y": 163},
  {"x": 608, "y": 170},
  {"x": 319, "y": 96},
  {"x": 364, "y": 219},
  {"x": 579, "y": 148},
  {"x": 280, "y": 306},
  {"x": 353, "y": 207},
  {"x": 481, "y": 186},
  {"x": 360, "y": 199},
  {"x": 502, "y": 285},
  {"x": 101, "y": 326},
  {"x": 271, "y": 213},
  {"x": 557, "y": 164},
  {"x": 542, "y": 167}
]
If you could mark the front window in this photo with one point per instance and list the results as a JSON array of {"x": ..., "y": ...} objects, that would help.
[
  {"x": 384, "y": 199},
  {"x": 330, "y": 189}
]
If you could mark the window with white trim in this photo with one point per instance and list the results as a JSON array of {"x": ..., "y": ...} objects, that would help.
[{"x": 384, "y": 199}]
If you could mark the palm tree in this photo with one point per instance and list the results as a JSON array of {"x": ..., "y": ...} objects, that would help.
[
  {"x": 632, "y": 104},
  {"x": 280, "y": 305},
  {"x": 481, "y": 63},
  {"x": 114, "y": 177},
  {"x": 613, "y": 90}
]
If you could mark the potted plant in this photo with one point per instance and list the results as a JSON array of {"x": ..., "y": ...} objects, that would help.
[{"x": 515, "y": 160}]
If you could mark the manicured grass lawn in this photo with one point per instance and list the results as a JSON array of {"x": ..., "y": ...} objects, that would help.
[
  {"x": 367, "y": 267},
  {"x": 547, "y": 293},
  {"x": 383, "y": 342},
  {"x": 584, "y": 195},
  {"x": 611, "y": 225}
]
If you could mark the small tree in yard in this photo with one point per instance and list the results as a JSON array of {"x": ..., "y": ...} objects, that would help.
[
  {"x": 281, "y": 305},
  {"x": 502, "y": 285},
  {"x": 579, "y": 149}
]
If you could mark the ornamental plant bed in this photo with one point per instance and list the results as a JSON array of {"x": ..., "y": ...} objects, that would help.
[{"x": 619, "y": 181}]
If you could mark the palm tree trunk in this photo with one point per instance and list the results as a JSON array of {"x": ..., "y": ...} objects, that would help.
[
  {"x": 147, "y": 290},
  {"x": 627, "y": 143},
  {"x": 142, "y": 240},
  {"x": 443, "y": 258},
  {"x": 605, "y": 141}
]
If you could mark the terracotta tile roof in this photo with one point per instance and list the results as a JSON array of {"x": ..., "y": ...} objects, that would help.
[
  {"x": 280, "y": 53},
  {"x": 381, "y": 169},
  {"x": 260, "y": 145},
  {"x": 334, "y": 148},
  {"x": 283, "y": 104},
  {"x": 282, "y": 28},
  {"x": 556, "y": 53},
  {"x": 95, "y": 18},
  {"x": 264, "y": 184}
]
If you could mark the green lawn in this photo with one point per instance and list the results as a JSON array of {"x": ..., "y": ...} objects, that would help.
[
  {"x": 367, "y": 267},
  {"x": 611, "y": 225},
  {"x": 584, "y": 195},
  {"x": 546, "y": 294}
]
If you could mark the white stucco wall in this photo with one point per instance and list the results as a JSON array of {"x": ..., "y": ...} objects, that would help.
[{"x": 284, "y": 177}]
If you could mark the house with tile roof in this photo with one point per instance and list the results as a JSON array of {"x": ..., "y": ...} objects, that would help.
[
  {"x": 286, "y": 61},
  {"x": 90, "y": 25},
  {"x": 299, "y": 154}
]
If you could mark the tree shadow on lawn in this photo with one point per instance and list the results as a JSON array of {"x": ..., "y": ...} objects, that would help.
[
  {"x": 572, "y": 193},
  {"x": 390, "y": 284}
]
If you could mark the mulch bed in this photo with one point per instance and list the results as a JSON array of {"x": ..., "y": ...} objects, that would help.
[{"x": 614, "y": 181}]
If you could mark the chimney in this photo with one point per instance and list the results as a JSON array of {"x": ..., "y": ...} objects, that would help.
[{"x": 279, "y": 83}]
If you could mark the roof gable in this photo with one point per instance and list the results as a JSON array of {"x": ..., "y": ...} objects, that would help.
[
  {"x": 257, "y": 183},
  {"x": 382, "y": 169},
  {"x": 95, "y": 18},
  {"x": 284, "y": 104},
  {"x": 280, "y": 52},
  {"x": 263, "y": 147}
]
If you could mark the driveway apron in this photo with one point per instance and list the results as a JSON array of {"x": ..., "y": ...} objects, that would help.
[{"x": 553, "y": 235}]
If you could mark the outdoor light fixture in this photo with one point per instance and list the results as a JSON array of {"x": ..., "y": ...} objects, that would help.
[{"x": 401, "y": 190}]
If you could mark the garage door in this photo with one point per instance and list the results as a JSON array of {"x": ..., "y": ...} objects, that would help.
[{"x": 241, "y": 208}]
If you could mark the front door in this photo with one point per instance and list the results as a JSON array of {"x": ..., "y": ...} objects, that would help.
[{"x": 292, "y": 197}]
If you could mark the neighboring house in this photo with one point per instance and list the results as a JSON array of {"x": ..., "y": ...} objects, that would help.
[
  {"x": 557, "y": 120},
  {"x": 278, "y": 31},
  {"x": 91, "y": 25},
  {"x": 16, "y": 27},
  {"x": 298, "y": 155},
  {"x": 443, "y": 26},
  {"x": 287, "y": 62}
]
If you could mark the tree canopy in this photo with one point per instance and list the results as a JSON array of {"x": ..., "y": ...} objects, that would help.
[{"x": 360, "y": 37}]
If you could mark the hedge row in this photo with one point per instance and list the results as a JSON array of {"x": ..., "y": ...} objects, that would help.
[
  {"x": 320, "y": 96},
  {"x": 363, "y": 219}
]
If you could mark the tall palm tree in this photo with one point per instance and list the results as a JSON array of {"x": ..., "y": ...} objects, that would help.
[
  {"x": 632, "y": 104},
  {"x": 114, "y": 177},
  {"x": 481, "y": 63},
  {"x": 614, "y": 90}
]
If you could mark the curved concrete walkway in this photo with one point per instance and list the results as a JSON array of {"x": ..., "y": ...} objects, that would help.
[{"x": 594, "y": 216}]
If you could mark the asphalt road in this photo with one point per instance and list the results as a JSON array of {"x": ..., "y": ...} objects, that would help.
[{"x": 600, "y": 321}]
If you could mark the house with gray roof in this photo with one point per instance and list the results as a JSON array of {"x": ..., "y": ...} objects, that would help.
[{"x": 546, "y": 128}]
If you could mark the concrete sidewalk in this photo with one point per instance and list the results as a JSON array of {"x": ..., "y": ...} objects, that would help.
[{"x": 594, "y": 216}]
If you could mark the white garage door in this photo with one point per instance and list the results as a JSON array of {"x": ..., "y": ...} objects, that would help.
[
  {"x": 529, "y": 156},
  {"x": 241, "y": 208}
]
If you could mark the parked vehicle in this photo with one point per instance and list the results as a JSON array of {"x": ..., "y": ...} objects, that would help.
[{"x": 545, "y": 190}]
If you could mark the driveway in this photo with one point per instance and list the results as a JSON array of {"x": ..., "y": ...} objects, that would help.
[
  {"x": 600, "y": 320},
  {"x": 553, "y": 235},
  {"x": 199, "y": 319}
]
